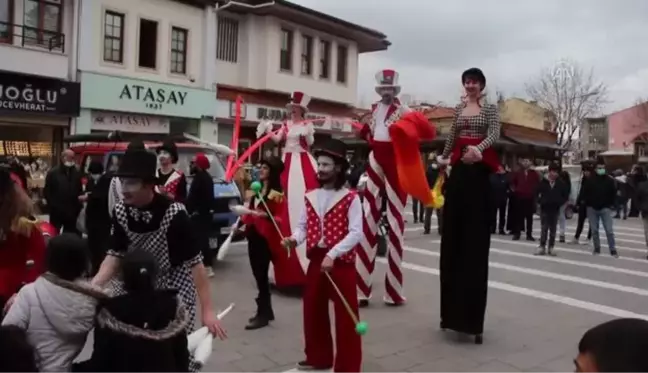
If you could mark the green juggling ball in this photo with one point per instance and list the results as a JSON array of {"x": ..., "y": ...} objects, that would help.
[
  {"x": 256, "y": 186},
  {"x": 362, "y": 327}
]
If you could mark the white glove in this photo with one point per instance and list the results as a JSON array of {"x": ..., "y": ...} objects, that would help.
[
  {"x": 443, "y": 161},
  {"x": 263, "y": 128}
]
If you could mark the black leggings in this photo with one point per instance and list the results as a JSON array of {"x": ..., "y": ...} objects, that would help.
[{"x": 260, "y": 257}]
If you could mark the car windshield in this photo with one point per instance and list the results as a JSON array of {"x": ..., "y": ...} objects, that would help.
[{"x": 186, "y": 156}]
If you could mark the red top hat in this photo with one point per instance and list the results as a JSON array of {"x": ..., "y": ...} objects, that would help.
[
  {"x": 300, "y": 99},
  {"x": 387, "y": 79}
]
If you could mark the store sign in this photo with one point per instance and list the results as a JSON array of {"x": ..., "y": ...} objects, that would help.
[
  {"x": 111, "y": 93},
  {"x": 40, "y": 95},
  {"x": 321, "y": 121},
  {"x": 134, "y": 123}
]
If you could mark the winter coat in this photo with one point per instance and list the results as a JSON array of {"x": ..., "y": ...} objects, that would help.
[
  {"x": 57, "y": 316},
  {"x": 132, "y": 338}
]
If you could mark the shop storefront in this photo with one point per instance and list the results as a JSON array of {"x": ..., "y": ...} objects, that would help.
[
  {"x": 35, "y": 113},
  {"x": 111, "y": 103}
]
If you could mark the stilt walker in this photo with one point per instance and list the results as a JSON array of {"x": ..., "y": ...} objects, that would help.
[
  {"x": 394, "y": 142},
  {"x": 331, "y": 227}
]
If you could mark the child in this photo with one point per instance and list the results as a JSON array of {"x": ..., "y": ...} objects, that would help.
[
  {"x": 552, "y": 194},
  {"x": 17, "y": 354},
  {"x": 57, "y": 310},
  {"x": 143, "y": 330}
]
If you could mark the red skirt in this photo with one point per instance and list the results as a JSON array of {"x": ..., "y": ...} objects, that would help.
[{"x": 489, "y": 156}]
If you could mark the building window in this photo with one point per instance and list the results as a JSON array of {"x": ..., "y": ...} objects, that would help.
[
  {"x": 179, "y": 50},
  {"x": 113, "y": 37},
  {"x": 325, "y": 59},
  {"x": 286, "y": 50},
  {"x": 227, "y": 43},
  {"x": 342, "y": 56},
  {"x": 43, "y": 21},
  {"x": 6, "y": 19},
  {"x": 148, "y": 44},
  {"x": 307, "y": 55}
]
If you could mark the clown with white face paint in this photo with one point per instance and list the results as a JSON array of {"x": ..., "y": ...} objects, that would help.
[{"x": 172, "y": 182}]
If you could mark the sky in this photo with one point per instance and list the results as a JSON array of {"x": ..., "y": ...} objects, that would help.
[{"x": 512, "y": 41}]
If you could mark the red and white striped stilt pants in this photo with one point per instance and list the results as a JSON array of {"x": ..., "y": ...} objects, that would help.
[{"x": 382, "y": 183}]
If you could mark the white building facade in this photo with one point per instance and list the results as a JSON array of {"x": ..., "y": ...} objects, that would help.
[
  {"x": 143, "y": 66},
  {"x": 265, "y": 50},
  {"x": 38, "y": 94}
]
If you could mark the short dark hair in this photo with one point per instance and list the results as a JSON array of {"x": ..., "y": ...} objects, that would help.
[
  {"x": 139, "y": 271},
  {"x": 617, "y": 346},
  {"x": 17, "y": 354},
  {"x": 554, "y": 167},
  {"x": 67, "y": 256}
]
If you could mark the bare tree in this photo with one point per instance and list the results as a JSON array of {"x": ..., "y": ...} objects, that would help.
[{"x": 570, "y": 94}]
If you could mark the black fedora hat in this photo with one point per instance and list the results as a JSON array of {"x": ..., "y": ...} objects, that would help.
[
  {"x": 138, "y": 164},
  {"x": 171, "y": 148},
  {"x": 333, "y": 148},
  {"x": 275, "y": 163}
]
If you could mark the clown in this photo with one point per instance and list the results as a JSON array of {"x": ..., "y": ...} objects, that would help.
[
  {"x": 299, "y": 174},
  {"x": 172, "y": 182},
  {"x": 383, "y": 181}
]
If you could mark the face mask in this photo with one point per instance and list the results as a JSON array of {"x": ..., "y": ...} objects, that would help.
[
  {"x": 95, "y": 177},
  {"x": 600, "y": 171},
  {"x": 68, "y": 164}
]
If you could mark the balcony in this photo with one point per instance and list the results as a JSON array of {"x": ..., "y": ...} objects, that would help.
[
  {"x": 25, "y": 36},
  {"x": 30, "y": 50}
]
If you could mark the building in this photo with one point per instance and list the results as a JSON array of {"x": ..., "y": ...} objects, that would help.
[
  {"x": 266, "y": 50},
  {"x": 594, "y": 137},
  {"x": 144, "y": 66},
  {"x": 37, "y": 99},
  {"x": 526, "y": 113},
  {"x": 628, "y": 130}
]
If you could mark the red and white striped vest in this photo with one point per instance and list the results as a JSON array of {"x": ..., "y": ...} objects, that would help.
[
  {"x": 336, "y": 223},
  {"x": 171, "y": 185}
]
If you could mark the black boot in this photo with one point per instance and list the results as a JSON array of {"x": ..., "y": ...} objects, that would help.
[{"x": 264, "y": 315}]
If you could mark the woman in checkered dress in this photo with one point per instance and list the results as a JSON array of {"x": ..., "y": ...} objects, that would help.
[
  {"x": 145, "y": 220},
  {"x": 465, "y": 240}
]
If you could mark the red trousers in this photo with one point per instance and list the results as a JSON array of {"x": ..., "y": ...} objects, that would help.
[{"x": 317, "y": 324}]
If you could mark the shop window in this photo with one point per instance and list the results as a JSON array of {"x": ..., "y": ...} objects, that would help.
[
  {"x": 43, "y": 21},
  {"x": 179, "y": 50},
  {"x": 285, "y": 62},
  {"x": 307, "y": 55},
  {"x": 325, "y": 59},
  {"x": 342, "y": 56},
  {"x": 113, "y": 37},
  {"x": 227, "y": 42},
  {"x": 148, "y": 32},
  {"x": 6, "y": 19}
]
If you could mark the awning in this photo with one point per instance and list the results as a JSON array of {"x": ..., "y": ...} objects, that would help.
[
  {"x": 537, "y": 144},
  {"x": 617, "y": 153}
]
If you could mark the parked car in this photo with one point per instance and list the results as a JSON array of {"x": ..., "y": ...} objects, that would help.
[{"x": 109, "y": 149}]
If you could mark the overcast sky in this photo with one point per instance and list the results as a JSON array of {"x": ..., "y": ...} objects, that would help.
[{"x": 433, "y": 41}]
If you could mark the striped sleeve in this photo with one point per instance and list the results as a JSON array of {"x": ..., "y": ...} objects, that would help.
[
  {"x": 493, "y": 131},
  {"x": 452, "y": 136}
]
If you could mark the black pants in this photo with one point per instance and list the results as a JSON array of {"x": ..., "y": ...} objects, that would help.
[
  {"x": 260, "y": 257},
  {"x": 548, "y": 223},
  {"x": 500, "y": 209},
  {"x": 67, "y": 222},
  {"x": 582, "y": 216},
  {"x": 98, "y": 242},
  {"x": 524, "y": 213},
  {"x": 418, "y": 210},
  {"x": 202, "y": 228},
  {"x": 427, "y": 221},
  {"x": 510, "y": 225}
]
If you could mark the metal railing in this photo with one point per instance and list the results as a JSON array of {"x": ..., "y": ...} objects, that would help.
[{"x": 31, "y": 36}]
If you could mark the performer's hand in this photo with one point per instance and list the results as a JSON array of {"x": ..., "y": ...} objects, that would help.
[
  {"x": 9, "y": 303},
  {"x": 327, "y": 264},
  {"x": 289, "y": 243},
  {"x": 443, "y": 161},
  {"x": 213, "y": 324},
  {"x": 261, "y": 214}
]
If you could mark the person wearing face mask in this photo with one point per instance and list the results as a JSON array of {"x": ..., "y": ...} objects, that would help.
[
  {"x": 599, "y": 195},
  {"x": 146, "y": 220},
  {"x": 199, "y": 205},
  {"x": 97, "y": 218},
  {"x": 173, "y": 183},
  {"x": 63, "y": 193}
]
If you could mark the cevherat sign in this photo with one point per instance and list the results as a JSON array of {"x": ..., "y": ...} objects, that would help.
[
  {"x": 38, "y": 95},
  {"x": 117, "y": 94}
]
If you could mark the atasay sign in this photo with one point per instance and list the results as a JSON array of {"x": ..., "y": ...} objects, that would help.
[{"x": 153, "y": 99}]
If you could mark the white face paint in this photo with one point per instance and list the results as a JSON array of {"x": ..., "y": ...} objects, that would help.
[
  {"x": 164, "y": 156},
  {"x": 131, "y": 185}
]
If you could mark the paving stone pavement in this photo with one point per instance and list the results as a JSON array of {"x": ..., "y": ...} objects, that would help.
[{"x": 538, "y": 309}]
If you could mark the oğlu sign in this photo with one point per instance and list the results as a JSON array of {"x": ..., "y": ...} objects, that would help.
[
  {"x": 26, "y": 93},
  {"x": 153, "y": 99}
]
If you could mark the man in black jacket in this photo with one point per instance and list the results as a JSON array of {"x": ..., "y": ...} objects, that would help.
[
  {"x": 64, "y": 193},
  {"x": 199, "y": 205},
  {"x": 599, "y": 195},
  {"x": 552, "y": 194},
  {"x": 500, "y": 189}
]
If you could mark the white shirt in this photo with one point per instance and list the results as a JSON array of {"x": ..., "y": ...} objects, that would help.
[
  {"x": 324, "y": 197},
  {"x": 115, "y": 194},
  {"x": 381, "y": 131}
]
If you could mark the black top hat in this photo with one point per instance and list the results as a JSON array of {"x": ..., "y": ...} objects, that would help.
[
  {"x": 334, "y": 148},
  {"x": 171, "y": 148},
  {"x": 275, "y": 164},
  {"x": 474, "y": 73},
  {"x": 138, "y": 164}
]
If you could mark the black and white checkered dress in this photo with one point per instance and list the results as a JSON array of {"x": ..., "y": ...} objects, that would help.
[{"x": 149, "y": 230}]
